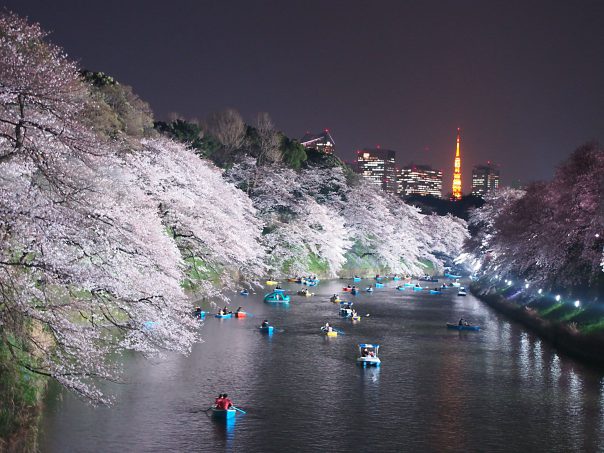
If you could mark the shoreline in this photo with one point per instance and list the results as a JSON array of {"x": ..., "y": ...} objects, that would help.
[{"x": 587, "y": 348}]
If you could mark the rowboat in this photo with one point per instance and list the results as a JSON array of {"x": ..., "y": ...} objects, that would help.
[
  {"x": 379, "y": 285},
  {"x": 330, "y": 333},
  {"x": 369, "y": 289},
  {"x": 417, "y": 288},
  {"x": 336, "y": 300},
  {"x": 292, "y": 280},
  {"x": 279, "y": 290},
  {"x": 428, "y": 279},
  {"x": 457, "y": 284},
  {"x": 223, "y": 414},
  {"x": 346, "y": 309},
  {"x": 379, "y": 279},
  {"x": 354, "y": 291},
  {"x": 408, "y": 285},
  {"x": 272, "y": 282},
  {"x": 244, "y": 292},
  {"x": 240, "y": 314},
  {"x": 305, "y": 293},
  {"x": 277, "y": 298},
  {"x": 267, "y": 329},
  {"x": 368, "y": 355},
  {"x": 356, "y": 279},
  {"x": 462, "y": 292},
  {"x": 311, "y": 282},
  {"x": 433, "y": 291},
  {"x": 346, "y": 289},
  {"x": 458, "y": 327},
  {"x": 356, "y": 318},
  {"x": 227, "y": 315}
]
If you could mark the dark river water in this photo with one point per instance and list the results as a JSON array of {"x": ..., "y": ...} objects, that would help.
[{"x": 500, "y": 389}]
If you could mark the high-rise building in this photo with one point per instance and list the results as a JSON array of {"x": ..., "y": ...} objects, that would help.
[
  {"x": 457, "y": 170},
  {"x": 485, "y": 178},
  {"x": 322, "y": 142},
  {"x": 420, "y": 180},
  {"x": 378, "y": 166}
]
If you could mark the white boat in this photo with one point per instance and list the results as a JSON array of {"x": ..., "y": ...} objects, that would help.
[{"x": 368, "y": 355}]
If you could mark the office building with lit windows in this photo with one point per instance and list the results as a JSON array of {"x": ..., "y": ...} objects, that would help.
[
  {"x": 419, "y": 180},
  {"x": 485, "y": 178},
  {"x": 322, "y": 142},
  {"x": 378, "y": 166}
]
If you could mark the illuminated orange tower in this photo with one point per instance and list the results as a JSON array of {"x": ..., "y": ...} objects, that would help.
[{"x": 457, "y": 171}]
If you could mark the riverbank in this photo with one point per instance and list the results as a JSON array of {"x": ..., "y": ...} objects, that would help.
[{"x": 575, "y": 331}]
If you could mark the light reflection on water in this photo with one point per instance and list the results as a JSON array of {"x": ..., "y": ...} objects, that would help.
[{"x": 437, "y": 390}]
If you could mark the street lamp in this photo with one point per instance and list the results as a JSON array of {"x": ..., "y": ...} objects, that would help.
[{"x": 557, "y": 297}]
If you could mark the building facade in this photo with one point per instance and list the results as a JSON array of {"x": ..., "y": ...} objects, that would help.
[
  {"x": 419, "y": 179},
  {"x": 322, "y": 142},
  {"x": 485, "y": 178},
  {"x": 378, "y": 166}
]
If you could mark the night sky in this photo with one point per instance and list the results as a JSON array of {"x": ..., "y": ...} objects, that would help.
[{"x": 523, "y": 79}]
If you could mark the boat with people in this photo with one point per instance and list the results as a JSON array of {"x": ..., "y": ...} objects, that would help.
[
  {"x": 435, "y": 291},
  {"x": 378, "y": 278},
  {"x": 428, "y": 278},
  {"x": 462, "y": 326},
  {"x": 277, "y": 298},
  {"x": 354, "y": 291},
  {"x": 244, "y": 292},
  {"x": 240, "y": 313},
  {"x": 408, "y": 285},
  {"x": 369, "y": 289},
  {"x": 417, "y": 288},
  {"x": 265, "y": 327},
  {"x": 400, "y": 288},
  {"x": 462, "y": 292},
  {"x": 355, "y": 317},
  {"x": 223, "y": 315},
  {"x": 278, "y": 289},
  {"x": 272, "y": 282},
  {"x": 199, "y": 313},
  {"x": 379, "y": 285},
  {"x": 456, "y": 284},
  {"x": 395, "y": 278},
  {"x": 329, "y": 333},
  {"x": 335, "y": 299},
  {"x": 347, "y": 289},
  {"x": 346, "y": 309},
  {"x": 356, "y": 279},
  {"x": 305, "y": 293},
  {"x": 368, "y": 355}
]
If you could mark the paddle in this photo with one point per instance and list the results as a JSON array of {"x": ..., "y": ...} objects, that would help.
[{"x": 240, "y": 410}]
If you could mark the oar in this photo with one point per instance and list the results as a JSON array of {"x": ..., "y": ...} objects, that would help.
[{"x": 240, "y": 410}]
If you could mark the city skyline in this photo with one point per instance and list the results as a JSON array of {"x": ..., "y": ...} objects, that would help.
[{"x": 390, "y": 74}]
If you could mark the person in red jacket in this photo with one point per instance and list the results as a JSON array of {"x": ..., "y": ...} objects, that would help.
[
  {"x": 226, "y": 402},
  {"x": 218, "y": 401}
]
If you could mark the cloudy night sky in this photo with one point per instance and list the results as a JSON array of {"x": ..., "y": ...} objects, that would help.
[{"x": 524, "y": 80}]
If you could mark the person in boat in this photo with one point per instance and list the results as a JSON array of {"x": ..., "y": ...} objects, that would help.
[
  {"x": 462, "y": 322},
  {"x": 197, "y": 312},
  {"x": 218, "y": 400},
  {"x": 364, "y": 352},
  {"x": 278, "y": 287},
  {"x": 334, "y": 298},
  {"x": 327, "y": 328},
  {"x": 417, "y": 285},
  {"x": 264, "y": 323},
  {"x": 224, "y": 403},
  {"x": 239, "y": 310},
  {"x": 371, "y": 354},
  {"x": 349, "y": 287}
]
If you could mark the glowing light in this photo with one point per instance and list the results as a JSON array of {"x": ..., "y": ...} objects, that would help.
[
  {"x": 597, "y": 235},
  {"x": 457, "y": 170},
  {"x": 577, "y": 303},
  {"x": 526, "y": 285},
  {"x": 540, "y": 291},
  {"x": 557, "y": 297}
]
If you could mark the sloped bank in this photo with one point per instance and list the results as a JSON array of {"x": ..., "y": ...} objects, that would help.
[{"x": 564, "y": 336}]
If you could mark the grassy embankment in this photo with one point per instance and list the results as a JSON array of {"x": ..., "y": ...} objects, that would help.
[{"x": 578, "y": 331}]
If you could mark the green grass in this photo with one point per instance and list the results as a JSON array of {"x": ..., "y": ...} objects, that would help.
[
  {"x": 572, "y": 314},
  {"x": 593, "y": 327},
  {"x": 551, "y": 309}
]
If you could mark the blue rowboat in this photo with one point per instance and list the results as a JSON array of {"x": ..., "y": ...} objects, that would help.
[
  {"x": 278, "y": 290},
  {"x": 432, "y": 291},
  {"x": 458, "y": 327},
  {"x": 368, "y": 355},
  {"x": 379, "y": 279},
  {"x": 379, "y": 285},
  {"x": 356, "y": 279},
  {"x": 228, "y": 315},
  {"x": 408, "y": 285},
  {"x": 396, "y": 278},
  {"x": 267, "y": 329},
  {"x": 311, "y": 283},
  {"x": 223, "y": 414},
  {"x": 354, "y": 291},
  {"x": 417, "y": 288},
  {"x": 276, "y": 298}
]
